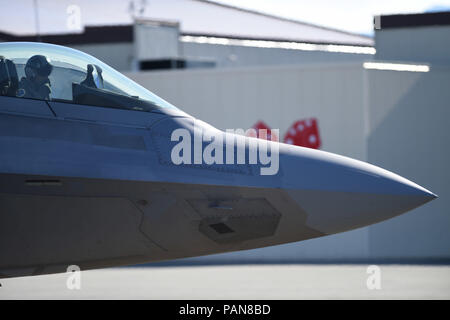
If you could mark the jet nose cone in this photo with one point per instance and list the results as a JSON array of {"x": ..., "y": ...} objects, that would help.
[
  {"x": 428, "y": 195},
  {"x": 340, "y": 194}
]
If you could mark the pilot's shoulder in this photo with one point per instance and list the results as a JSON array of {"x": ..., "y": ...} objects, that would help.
[{"x": 47, "y": 87}]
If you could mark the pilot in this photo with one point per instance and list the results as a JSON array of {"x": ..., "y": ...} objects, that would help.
[{"x": 36, "y": 83}]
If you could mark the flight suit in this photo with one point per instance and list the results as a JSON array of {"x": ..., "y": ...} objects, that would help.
[{"x": 29, "y": 89}]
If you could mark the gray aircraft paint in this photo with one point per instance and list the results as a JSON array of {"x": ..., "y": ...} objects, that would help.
[{"x": 96, "y": 187}]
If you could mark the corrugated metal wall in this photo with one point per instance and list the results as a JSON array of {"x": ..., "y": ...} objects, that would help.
[
  {"x": 239, "y": 97},
  {"x": 242, "y": 56},
  {"x": 409, "y": 134}
]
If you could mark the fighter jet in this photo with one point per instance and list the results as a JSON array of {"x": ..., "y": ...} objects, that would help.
[{"x": 97, "y": 171}]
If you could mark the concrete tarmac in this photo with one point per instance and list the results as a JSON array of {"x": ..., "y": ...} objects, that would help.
[{"x": 239, "y": 282}]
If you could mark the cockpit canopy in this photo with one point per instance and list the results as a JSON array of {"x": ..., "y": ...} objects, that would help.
[{"x": 75, "y": 77}]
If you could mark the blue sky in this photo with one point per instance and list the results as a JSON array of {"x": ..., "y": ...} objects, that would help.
[{"x": 350, "y": 15}]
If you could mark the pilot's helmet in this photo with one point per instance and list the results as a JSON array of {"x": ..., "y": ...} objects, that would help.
[{"x": 38, "y": 65}]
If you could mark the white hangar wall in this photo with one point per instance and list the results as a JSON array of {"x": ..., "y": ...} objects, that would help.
[
  {"x": 243, "y": 56},
  {"x": 409, "y": 134},
  {"x": 122, "y": 56},
  {"x": 371, "y": 115},
  {"x": 420, "y": 43}
]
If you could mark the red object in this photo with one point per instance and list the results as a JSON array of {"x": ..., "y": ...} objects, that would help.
[
  {"x": 261, "y": 125},
  {"x": 304, "y": 133}
]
